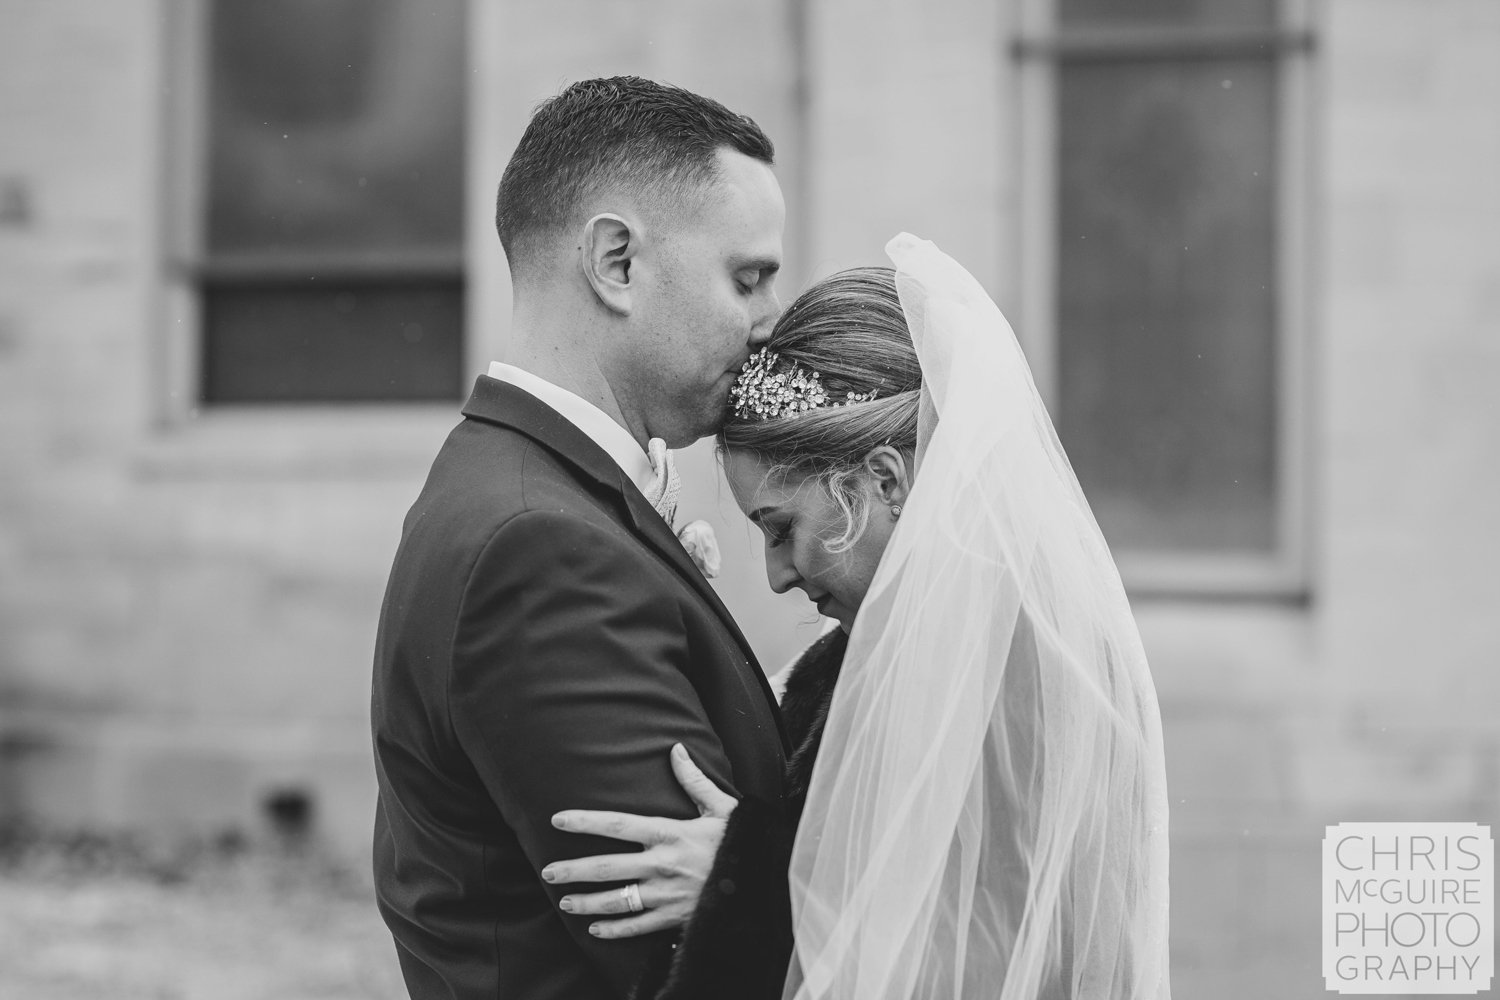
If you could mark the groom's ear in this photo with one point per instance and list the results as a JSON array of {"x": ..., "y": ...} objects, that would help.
[
  {"x": 889, "y": 476},
  {"x": 606, "y": 253}
]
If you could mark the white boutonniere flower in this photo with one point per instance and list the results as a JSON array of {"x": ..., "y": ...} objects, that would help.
[{"x": 698, "y": 538}]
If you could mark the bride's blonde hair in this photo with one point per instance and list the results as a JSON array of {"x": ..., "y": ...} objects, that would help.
[{"x": 849, "y": 328}]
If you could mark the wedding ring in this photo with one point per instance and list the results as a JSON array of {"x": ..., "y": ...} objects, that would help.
[{"x": 632, "y": 896}]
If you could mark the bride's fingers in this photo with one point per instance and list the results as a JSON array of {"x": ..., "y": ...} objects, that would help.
[
  {"x": 615, "y": 825},
  {"x": 607, "y": 903},
  {"x": 601, "y": 868},
  {"x": 642, "y": 923},
  {"x": 704, "y": 793}
]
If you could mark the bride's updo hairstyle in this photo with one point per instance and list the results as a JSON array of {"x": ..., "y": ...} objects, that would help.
[{"x": 850, "y": 331}]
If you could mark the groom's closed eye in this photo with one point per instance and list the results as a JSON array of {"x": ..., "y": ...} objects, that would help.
[
  {"x": 750, "y": 281},
  {"x": 751, "y": 273}
]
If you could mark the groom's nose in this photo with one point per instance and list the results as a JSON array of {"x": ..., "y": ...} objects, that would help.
[{"x": 760, "y": 332}]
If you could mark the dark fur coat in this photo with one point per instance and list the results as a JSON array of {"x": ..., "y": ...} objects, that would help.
[{"x": 739, "y": 941}]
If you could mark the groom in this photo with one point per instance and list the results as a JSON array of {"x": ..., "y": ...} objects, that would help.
[{"x": 545, "y": 638}]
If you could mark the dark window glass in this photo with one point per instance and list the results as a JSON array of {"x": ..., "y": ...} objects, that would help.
[
  {"x": 344, "y": 342},
  {"x": 1167, "y": 298},
  {"x": 335, "y": 163}
]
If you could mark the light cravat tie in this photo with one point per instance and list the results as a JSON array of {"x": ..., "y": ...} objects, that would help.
[
  {"x": 698, "y": 536},
  {"x": 662, "y": 491}
]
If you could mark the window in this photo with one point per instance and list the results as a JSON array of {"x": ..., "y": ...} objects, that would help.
[
  {"x": 1164, "y": 287},
  {"x": 324, "y": 242}
]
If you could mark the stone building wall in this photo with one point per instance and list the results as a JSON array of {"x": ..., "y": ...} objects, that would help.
[{"x": 187, "y": 604}]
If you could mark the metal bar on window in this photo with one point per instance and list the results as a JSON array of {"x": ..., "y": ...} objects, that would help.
[{"x": 1106, "y": 44}]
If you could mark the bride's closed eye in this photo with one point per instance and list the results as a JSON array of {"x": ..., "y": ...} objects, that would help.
[
  {"x": 776, "y": 534},
  {"x": 774, "y": 523},
  {"x": 774, "y": 528}
]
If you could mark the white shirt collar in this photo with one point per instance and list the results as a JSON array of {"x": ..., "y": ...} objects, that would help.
[{"x": 598, "y": 425}]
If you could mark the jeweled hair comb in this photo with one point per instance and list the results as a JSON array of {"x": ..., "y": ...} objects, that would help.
[{"x": 762, "y": 393}]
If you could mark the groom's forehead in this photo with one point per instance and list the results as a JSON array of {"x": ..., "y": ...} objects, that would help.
[
  {"x": 750, "y": 186},
  {"x": 741, "y": 230}
]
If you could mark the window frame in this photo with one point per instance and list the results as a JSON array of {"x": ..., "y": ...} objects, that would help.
[
  {"x": 386, "y": 437},
  {"x": 1038, "y": 47}
]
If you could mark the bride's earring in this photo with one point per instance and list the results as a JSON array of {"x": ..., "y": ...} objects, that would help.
[{"x": 895, "y": 510}]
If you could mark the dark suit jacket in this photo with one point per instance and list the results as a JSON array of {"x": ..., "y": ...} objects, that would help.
[
  {"x": 738, "y": 944},
  {"x": 544, "y": 640}
]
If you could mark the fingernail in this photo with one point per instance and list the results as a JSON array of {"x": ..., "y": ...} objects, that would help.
[
  {"x": 549, "y": 873},
  {"x": 679, "y": 751},
  {"x": 594, "y": 930},
  {"x": 560, "y": 821},
  {"x": 566, "y": 904}
]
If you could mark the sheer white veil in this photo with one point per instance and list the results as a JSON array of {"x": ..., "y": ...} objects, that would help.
[{"x": 988, "y": 813}]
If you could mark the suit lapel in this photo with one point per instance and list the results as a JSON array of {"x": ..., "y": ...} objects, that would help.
[
  {"x": 501, "y": 403},
  {"x": 654, "y": 532}
]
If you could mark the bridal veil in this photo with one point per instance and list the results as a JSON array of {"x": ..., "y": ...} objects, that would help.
[{"x": 988, "y": 812}]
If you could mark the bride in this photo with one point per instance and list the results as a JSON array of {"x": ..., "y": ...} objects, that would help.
[{"x": 976, "y": 806}]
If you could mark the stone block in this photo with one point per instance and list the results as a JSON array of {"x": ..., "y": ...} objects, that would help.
[
  {"x": 1389, "y": 775},
  {"x": 1225, "y": 756},
  {"x": 1246, "y": 912}
]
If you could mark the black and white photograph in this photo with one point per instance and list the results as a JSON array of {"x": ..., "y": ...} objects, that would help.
[{"x": 781, "y": 500}]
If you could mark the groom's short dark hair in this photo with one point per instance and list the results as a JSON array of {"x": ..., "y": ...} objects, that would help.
[{"x": 620, "y": 130}]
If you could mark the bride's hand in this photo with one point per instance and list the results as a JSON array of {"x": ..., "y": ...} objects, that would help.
[{"x": 670, "y": 872}]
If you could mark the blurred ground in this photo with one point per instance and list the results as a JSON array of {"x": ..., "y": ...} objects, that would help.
[{"x": 86, "y": 918}]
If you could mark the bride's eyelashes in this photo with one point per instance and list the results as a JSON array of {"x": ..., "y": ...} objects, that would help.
[{"x": 775, "y": 529}]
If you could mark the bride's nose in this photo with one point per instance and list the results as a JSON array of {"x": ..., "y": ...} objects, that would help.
[{"x": 780, "y": 573}]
